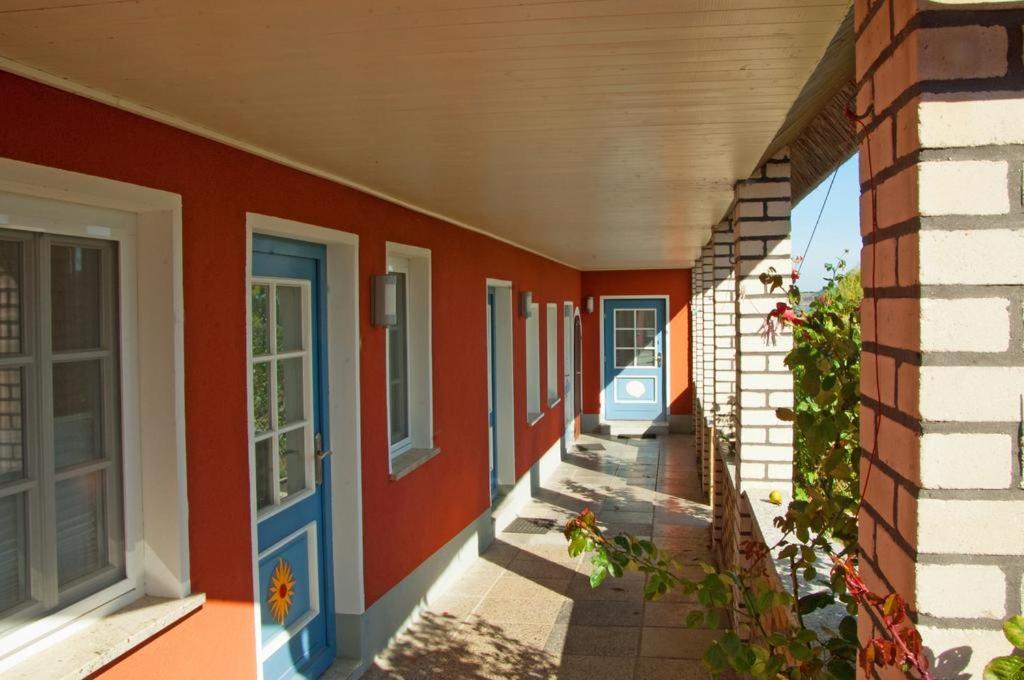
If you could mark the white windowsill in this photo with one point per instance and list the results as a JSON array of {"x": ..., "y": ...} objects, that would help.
[
  {"x": 554, "y": 402},
  {"x": 85, "y": 652},
  {"x": 409, "y": 460},
  {"x": 533, "y": 418}
]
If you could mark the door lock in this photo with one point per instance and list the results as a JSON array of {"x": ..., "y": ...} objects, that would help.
[
  {"x": 659, "y": 359},
  {"x": 318, "y": 457}
]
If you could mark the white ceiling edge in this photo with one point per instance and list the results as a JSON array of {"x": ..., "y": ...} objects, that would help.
[{"x": 67, "y": 85}]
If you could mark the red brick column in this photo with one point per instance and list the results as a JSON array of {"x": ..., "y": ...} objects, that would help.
[{"x": 941, "y": 113}]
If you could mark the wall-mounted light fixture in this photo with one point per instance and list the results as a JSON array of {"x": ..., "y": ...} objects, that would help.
[
  {"x": 385, "y": 300},
  {"x": 589, "y": 305},
  {"x": 526, "y": 304}
]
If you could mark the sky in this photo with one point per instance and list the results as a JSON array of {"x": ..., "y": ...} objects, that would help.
[{"x": 838, "y": 231}]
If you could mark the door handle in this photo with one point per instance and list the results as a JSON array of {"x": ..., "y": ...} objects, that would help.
[
  {"x": 318, "y": 458},
  {"x": 659, "y": 359}
]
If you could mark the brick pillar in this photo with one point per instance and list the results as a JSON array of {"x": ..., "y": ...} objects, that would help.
[
  {"x": 707, "y": 260},
  {"x": 939, "y": 89},
  {"x": 761, "y": 241},
  {"x": 725, "y": 327},
  {"x": 697, "y": 351}
]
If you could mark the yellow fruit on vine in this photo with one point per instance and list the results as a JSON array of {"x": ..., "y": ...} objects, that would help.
[{"x": 775, "y": 497}]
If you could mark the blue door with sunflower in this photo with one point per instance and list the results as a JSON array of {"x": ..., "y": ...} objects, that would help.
[{"x": 289, "y": 448}]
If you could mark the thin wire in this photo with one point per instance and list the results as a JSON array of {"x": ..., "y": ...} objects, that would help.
[{"x": 803, "y": 258}]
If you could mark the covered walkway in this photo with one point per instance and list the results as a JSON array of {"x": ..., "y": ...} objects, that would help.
[{"x": 525, "y": 609}]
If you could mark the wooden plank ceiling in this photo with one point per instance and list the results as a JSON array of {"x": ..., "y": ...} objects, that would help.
[{"x": 603, "y": 133}]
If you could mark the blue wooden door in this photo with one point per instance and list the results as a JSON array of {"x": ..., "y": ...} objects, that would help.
[
  {"x": 290, "y": 437},
  {"x": 492, "y": 395},
  {"x": 634, "y": 359}
]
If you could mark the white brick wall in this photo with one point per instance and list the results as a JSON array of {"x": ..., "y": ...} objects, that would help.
[
  {"x": 961, "y": 591},
  {"x": 980, "y": 257},
  {"x": 963, "y": 188},
  {"x": 979, "y": 527},
  {"x": 965, "y": 325},
  {"x": 971, "y": 393},
  {"x": 972, "y": 122},
  {"x": 966, "y": 461}
]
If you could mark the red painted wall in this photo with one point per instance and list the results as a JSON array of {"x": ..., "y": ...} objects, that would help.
[
  {"x": 672, "y": 282},
  {"x": 404, "y": 521}
]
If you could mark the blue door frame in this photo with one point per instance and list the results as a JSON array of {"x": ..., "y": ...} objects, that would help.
[
  {"x": 285, "y": 536},
  {"x": 634, "y": 359}
]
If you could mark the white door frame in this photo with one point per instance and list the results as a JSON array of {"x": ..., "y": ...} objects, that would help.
[
  {"x": 668, "y": 354},
  {"x": 344, "y": 407},
  {"x": 568, "y": 366},
  {"x": 504, "y": 390}
]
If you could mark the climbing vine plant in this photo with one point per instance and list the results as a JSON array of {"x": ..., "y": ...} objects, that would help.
[{"x": 819, "y": 528}]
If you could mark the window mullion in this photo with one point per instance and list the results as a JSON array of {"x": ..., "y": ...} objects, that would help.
[
  {"x": 44, "y": 427},
  {"x": 275, "y": 454},
  {"x": 110, "y": 371}
]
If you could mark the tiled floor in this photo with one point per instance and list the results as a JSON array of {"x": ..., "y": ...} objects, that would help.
[{"x": 526, "y": 609}]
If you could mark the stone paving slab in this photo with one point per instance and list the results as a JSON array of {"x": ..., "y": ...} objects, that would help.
[{"x": 526, "y": 609}]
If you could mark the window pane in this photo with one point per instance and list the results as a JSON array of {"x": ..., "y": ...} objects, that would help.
[
  {"x": 623, "y": 318},
  {"x": 645, "y": 357},
  {"x": 77, "y": 412},
  {"x": 289, "y": 319},
  {"x": 264, "y": 474},
  {"x": 12, "y": 425},
  {"x": 14, "y": 586},
  {"x": 76, "y": 296},
  {"x": 624, "y": 338},
  {"x": 81, "y": 527},
  {"x": 398, "y": 415},
  {"x": 645, "y": 318},
  {"x": 260, "y": 320},
  {"x": 261, "y": 396},
  {"x": 290, "y": 391},
  {"x": 398, "y": 368},
  {"x": 291, "y": 456},
  {"x": 10, "y": 297},
  {"x": 624, "y": 357},
  {"x": 645, "y": 338}
]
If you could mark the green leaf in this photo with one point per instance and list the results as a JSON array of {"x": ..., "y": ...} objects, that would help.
[
  {"x": 809, "y": 603},
  {"x": 841, "y": 669},
  {"x": 712, "y": 619},
  {"x": 714, "y": 658},
  {"x": 743, "y": 659},
  {"x": 1013, "y": 629},
  {"x": 597, "y": 576},
  {"x": 1005, "y": 668},
  {"x": 800, "y": 651},
  {"x": 695, "y": 619},
  {"x": 848, "y": 628}
]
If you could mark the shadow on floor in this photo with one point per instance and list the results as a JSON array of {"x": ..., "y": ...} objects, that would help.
[{"x": 437, "y": 647}]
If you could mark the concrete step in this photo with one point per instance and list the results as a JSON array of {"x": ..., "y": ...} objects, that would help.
[{"x": 632, "y": 428}]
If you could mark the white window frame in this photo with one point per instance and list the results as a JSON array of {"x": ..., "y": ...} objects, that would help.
[
  {"x": 415, "y": 263},
  {"x": 532, "y": 327},
  {"x": 147, "y": 232},
  {"x": 400, "y": 265},
  {"x": 551, "y": 330}
]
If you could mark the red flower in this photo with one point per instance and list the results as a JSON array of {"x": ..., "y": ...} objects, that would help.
[{"x": 795, "y": 275}]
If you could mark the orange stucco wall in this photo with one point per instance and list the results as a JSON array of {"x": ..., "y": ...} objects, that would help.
[
  {"x": 404, "y": 521},
  {"x": 672, "y": 282}
]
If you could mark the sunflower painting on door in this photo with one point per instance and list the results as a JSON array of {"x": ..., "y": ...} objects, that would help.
[{"x": 282, "y": 591}]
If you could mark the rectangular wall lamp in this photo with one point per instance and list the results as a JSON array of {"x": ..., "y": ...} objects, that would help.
[
  {"x": 385, "y": 300},
  {"x": 525, "y": 304}
]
